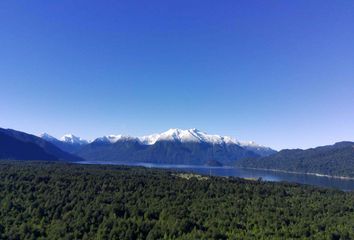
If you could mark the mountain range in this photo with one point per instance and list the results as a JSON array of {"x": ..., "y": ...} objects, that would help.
[
  {"x": 72, "y": 142},
  {"x": 68, "y": 142},
  {"x": 175, "y": 146}
]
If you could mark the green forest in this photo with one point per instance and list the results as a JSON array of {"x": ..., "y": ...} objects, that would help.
[
  {"x": 332, "y": 160},
  {"x": 42, "y": 200}
]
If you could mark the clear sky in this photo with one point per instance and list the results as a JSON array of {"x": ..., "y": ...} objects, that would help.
[{"x": 280, "y": 73}]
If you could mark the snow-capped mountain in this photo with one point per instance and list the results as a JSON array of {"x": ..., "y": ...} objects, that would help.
[
  {"x": 259, "y": 149},
  {"x": 184, "y": 136},
  {"x": 190, "y": 135},
  {"x": 113, "y": 138},
  {"x": 187, "y": 136},
  {"x": 67, "y": 138},
  {"x": 47, "y": 137},
  {"x": 173, "y": 134},
  {"x": 175, "y": 146},
  {"x": 72, "y": 139},
  {"x": 195, "y": 135},
  {"x": 69, "y": 142}
]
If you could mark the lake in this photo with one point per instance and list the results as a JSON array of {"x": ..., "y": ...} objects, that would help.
[{"x": 266, "y": 175}]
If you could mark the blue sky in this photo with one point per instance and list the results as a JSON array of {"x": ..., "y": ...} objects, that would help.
[{"x": 280, "y": 73}]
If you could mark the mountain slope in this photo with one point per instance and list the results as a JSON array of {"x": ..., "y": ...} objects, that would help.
[
  {"x": 12, "y": 148},
  {"x": 334, "y": 160},
  {"x": 48, "y": 147},
  {"x": 258, "y": 149}
]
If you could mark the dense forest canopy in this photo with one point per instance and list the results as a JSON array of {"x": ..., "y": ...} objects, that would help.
[{"x": 66, "y": 201}]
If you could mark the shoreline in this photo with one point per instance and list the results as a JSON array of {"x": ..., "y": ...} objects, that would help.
[
  {"x": 214, "y": 167},
  {"x": 299, "y": 173}
]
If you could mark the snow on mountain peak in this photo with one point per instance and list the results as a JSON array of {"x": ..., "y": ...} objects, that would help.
[
  {"x": 250, "y": 144},
  {"x": 149, "y": 140},
  {"x": 46, "y": 136},
  {"x": 70, "y": 138},
  {"x": 113, "y": 138},
  {"x": 190, "y": 135},
  {"x": 173, "y": 134},
  {"x": 259, "y": 149}
]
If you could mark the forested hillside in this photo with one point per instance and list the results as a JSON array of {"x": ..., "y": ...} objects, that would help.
[
  {"x": 62, "y": 201},
  {"x": 334, "y": 160}
]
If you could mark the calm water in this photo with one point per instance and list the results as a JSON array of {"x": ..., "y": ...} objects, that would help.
[{"x": 346, "y": 185}]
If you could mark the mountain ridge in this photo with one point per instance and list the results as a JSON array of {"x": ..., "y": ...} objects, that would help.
[
  {"x": 174, "y": 146},
  {"x": 73, "y": 144},
  {"x": 25, "y": 139}
]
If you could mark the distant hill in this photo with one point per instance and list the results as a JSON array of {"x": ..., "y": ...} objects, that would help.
[
  {"x": 23, "y": 146},
  {"x": 12, "y": 148},
  {"x": 334, "y": 160}
]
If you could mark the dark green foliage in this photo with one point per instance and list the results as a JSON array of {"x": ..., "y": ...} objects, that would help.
[
  {"x": 334, "y": 160},
  {"x": 62, "y": 201}
]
